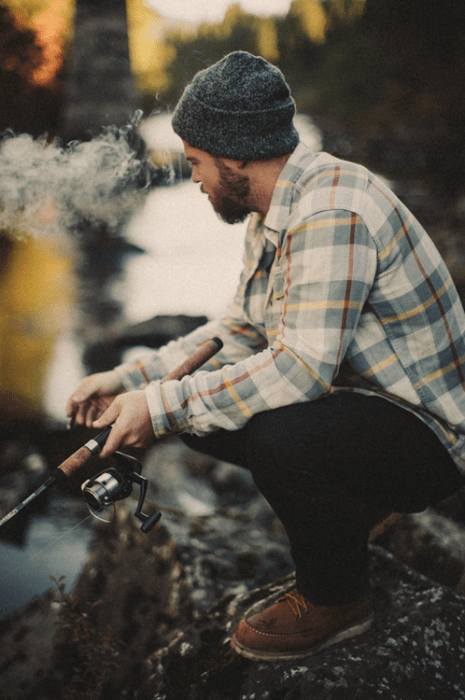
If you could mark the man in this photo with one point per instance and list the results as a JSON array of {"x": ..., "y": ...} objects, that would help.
[{"x": 340, "y": 383}]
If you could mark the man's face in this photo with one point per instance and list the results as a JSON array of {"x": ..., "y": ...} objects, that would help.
[{"x": 224, "y": 183}]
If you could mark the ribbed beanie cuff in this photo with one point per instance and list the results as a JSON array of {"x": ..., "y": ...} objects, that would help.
[{"x": 239, "y": 108}]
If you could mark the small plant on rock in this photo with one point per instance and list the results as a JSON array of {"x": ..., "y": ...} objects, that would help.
[{"x": 86, "y": 654}]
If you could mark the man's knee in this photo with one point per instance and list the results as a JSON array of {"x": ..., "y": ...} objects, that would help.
[{"x": 224, "y": 445}]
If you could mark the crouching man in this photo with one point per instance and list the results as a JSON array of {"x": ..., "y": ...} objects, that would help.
[{"x": 340, "y": 384}]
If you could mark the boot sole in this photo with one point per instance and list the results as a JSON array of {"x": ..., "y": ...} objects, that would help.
[{"x": 258, "y": 655}]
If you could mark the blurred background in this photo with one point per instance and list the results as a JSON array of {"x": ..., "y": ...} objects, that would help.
[
  {"x": 105, "y": 244},
  {"x": 374, "y": 81}
]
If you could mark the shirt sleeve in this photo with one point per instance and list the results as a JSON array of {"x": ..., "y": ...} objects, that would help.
[
  {"x": 240, "y": 340},
  {"x": 327, "y": 265}
]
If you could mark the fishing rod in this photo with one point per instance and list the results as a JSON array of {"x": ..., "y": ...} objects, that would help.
[{"x": 115, "y": 484}]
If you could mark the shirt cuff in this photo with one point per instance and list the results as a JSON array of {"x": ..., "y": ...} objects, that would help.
[{"x": 160, "y": 421}]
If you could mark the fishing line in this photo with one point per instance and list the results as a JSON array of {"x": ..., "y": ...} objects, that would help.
[
  {"x": 61, "y": 537},
  {"x": 31, "y": 557}
]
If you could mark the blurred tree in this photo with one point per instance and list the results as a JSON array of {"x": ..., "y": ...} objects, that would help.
[
  {"x": 193, "y": 51},
  {"x": 51, "y": 21},
  {"x": 291, "y": 42},
  {"x": 299, "y": 54},
  {"x": 100, "y": 87},
  {"x": 25, "y": 106},
  {"x": 342, "y": 12},
  {"x": 148, "y": 49},
  {"x": 424, "y": 44},
  {"x": 313, "y": 18}
]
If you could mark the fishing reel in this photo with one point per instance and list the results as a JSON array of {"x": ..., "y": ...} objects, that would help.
[{"x": 103, "y": 490}]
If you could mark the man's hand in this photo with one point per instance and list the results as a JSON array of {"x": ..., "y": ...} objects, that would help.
[
  {"x": 93, "y": 396},
  {"x": 132, "y": 422}
]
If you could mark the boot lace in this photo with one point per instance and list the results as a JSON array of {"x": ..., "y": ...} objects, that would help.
[{"x": 298, "y": 604}]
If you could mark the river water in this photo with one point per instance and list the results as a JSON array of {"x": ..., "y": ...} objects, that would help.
[
  {"x": 190, "y": 265},
  {"x": 55, "y": 545}
]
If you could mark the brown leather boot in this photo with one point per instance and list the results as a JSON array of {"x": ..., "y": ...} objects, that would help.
[{"x": 293, "y": 628}]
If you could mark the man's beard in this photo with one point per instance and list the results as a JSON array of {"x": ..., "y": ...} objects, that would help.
[{"x": 229, "y": 199}]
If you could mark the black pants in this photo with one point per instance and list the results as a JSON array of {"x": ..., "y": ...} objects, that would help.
[{"x": 317, "y": 462}]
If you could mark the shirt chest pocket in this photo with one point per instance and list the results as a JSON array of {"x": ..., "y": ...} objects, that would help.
[
  {"x": 275, "y": 296},
  {"x": 278, "y": 283}
]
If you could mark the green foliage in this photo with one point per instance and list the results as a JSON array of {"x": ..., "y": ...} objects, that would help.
[
  {"x": 393, "y": 80},
  {"x": 88, "y": 653},
  {"x": 351, "y": 80}
]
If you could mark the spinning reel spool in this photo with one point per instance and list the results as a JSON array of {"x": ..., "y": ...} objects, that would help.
[{"x": 102, "y": 491}]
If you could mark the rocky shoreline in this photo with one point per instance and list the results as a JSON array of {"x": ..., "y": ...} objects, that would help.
[{"x": 158, "y": 609}]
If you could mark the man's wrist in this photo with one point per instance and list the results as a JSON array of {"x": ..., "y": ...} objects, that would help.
[{"x": 160, "y": 422}]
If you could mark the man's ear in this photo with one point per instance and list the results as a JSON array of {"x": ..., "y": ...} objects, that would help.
[{"x": 235, "y": 164}]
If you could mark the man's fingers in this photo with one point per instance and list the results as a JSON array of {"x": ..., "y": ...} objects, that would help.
[
  {"x": 71, "y": 407},
  {"x": 79, "y": 414},
  {"x": 112, "y": 443},
  {"x": 111, "y": 415},
  {"x": 107, "y": 416},
  {"x": 78, "y": 406},
  {"x": 92, "y": 415},
  {"x": 132, "y": 424},
  {"x": 92, "y": 397}
]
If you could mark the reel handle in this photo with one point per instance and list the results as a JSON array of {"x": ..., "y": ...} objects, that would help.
[{"x": 150, "y": 521}]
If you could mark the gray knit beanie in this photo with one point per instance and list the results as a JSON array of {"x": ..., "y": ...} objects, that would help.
[{"x": 239, "y": 108}]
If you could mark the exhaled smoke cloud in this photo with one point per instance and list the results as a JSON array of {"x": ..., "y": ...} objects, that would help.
[{"x": 83, "y": 184}]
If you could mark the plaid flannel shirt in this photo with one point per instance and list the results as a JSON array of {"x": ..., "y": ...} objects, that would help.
[{"x": 341, "y": 290}]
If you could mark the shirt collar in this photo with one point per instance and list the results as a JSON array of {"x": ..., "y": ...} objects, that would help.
[{"x": 285, "y": 188}]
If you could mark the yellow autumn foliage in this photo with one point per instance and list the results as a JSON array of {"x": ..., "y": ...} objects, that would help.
[
  {"x": 312, "y": 17},
  {"x": 268, "y": 40},
  {"x": 149, "y": 52},
  {"x": 35, "y": 301}
]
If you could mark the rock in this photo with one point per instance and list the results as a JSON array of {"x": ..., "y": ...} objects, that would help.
[
  {"x": 147, "y": 588},
  {"x": 225, "y": 554},
  {"x": 414, "y": 650},
  {"x": 227, "y": 540},
  {"x": 26, "y": 641},
  {"x": 432, "y": 544},
  {"x": 132, "y": 592}
]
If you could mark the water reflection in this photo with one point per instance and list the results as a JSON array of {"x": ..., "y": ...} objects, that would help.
[
  {"x": 56, "y": 543},
  {"x": 35, "y": 303}
]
